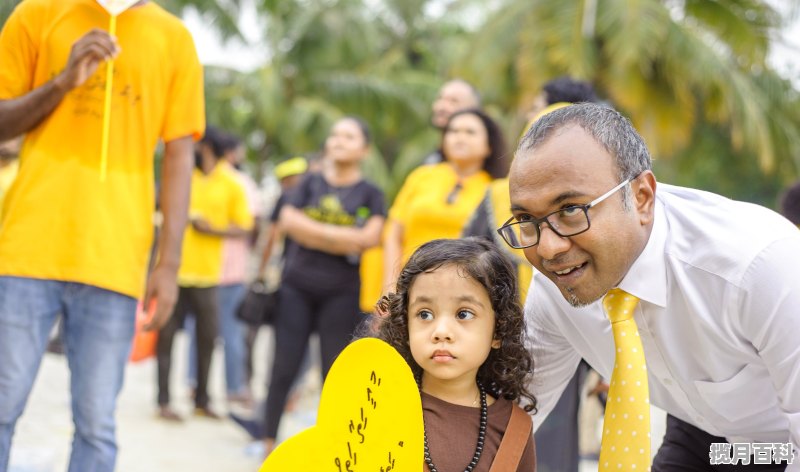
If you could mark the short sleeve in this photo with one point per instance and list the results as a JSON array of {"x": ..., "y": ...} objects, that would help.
[
  {"x": 18, "y": 51},
  {"x": 241, "y": 215},
  {"x": 375, "y": 202},
  {"x": 298, "y": 197},
  {"x": 400, "y": 207},
  {"x": 185, "y": 112}
]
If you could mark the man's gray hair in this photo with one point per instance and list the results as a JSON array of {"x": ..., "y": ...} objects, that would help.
[{"x": 607, "y": 126}]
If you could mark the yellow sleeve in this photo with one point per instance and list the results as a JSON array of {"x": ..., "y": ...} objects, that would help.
[
  {"x": 240, "y": 214},
  {"x": 400, "y": 207},
  {"x": 185, "y": 112},
  {"x": 19, "y": 49}
]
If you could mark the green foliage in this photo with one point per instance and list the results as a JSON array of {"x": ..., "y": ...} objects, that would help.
[
  {"x": 6, "y": 7},
  {"x": 691, "y": 75}
]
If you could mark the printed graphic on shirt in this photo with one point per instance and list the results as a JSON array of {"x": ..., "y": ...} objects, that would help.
[
  {"x": 89, "y": 98},
  {"x": 331, "y": 211}
]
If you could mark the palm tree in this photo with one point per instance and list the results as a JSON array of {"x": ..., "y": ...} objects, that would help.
[
  {"x": 333, "y": 59},
  {"x": 671, "y": 66},
  {"x": 682, "y": 70}
]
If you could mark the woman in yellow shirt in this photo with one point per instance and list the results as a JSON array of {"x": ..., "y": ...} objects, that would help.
[{"x": 436, "y": 201}]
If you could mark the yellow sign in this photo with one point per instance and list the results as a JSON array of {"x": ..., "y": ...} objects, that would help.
[{"x": 369, "y": 418}]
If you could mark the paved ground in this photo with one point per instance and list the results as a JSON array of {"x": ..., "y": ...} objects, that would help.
[{"x": 147, "y": 444}]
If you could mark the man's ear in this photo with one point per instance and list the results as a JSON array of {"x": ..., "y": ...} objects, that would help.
[{"x": 644, "y": 196}]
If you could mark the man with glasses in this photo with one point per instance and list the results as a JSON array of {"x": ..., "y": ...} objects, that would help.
[{"x": 718, "y": 312}]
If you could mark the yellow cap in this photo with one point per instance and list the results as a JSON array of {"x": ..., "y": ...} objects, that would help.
[{"x": 290, "y": 167}]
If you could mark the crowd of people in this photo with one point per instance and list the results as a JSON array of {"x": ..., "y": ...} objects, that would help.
[{"x": 502, "y": 277}]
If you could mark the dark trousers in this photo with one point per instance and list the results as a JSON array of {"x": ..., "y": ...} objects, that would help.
[
  {"x": 557, "y": 438},
  {"x": 202, "y": 302},
  {"x": 300, "y": 312},
  {"x": 686, "y": 449}
]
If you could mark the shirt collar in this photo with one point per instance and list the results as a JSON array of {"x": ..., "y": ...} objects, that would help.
[{"x": 647, "y": 277}]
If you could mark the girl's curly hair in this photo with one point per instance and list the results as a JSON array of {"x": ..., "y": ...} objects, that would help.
[{"x": 508, "y": 370}]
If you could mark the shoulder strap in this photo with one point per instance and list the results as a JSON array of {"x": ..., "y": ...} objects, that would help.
[{"x": 520, "y": 426}]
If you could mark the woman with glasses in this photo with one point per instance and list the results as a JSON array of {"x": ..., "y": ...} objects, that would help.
[{"x": 436, "y": 201}]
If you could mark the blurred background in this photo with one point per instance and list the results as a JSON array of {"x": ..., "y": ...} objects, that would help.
[{"x": 711, "y": 84}]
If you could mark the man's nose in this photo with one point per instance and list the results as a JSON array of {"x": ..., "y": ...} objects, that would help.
[{"x": 550, "y": 243}]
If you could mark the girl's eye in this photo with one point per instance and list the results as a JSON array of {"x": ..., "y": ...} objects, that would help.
[
  {"x": 425, "y": 315},
  {"x": 465, "y": 315}
]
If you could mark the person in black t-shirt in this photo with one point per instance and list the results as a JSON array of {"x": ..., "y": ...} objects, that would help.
[{"x": 329, "y": 219}]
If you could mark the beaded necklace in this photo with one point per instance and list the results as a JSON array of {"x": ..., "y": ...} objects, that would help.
[{"x": 481, "y": 436}]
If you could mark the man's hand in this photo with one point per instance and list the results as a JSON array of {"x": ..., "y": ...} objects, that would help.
[
  {"x": 85, "y": 57},
  {"x": 162, "y": 287}
]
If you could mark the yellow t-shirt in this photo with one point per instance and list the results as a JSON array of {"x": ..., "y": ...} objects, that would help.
[
  {"x": 221, "y": 200},
  {"x": 422, "y": 205},
  {"x": 61, "y": 222},
  {"x": 7, "y": 175},
  {"x": 500, "y": 201}
]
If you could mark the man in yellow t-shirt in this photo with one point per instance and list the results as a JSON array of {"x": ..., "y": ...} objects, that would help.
[
  {"x": 70, "y": 242},
  {"x": 9, "y": 166},
  {"x": 219, "y": 209}
]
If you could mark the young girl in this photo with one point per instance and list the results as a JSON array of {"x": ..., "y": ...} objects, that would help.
[{"x": 456, "y": 319}]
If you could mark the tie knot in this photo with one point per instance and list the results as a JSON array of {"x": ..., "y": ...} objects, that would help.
[{"x": 619, "y": 305}]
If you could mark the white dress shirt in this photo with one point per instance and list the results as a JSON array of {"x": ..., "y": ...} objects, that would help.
[{"x": 719, "y": 320}]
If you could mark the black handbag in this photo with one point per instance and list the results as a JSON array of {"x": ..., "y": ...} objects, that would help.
[{"x": 259, "y": 305}]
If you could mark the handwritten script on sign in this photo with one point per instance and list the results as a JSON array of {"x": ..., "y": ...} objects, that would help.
[{"x": 369, "y": 418}]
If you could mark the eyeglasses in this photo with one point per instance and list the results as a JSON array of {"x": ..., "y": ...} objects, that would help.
[{"x": 565, "y": 222}]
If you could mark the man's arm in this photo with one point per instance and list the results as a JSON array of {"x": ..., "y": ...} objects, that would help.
[
  {"x": 22, "y": 114},
  {"x": 555, "y": 360},
  {"x": 769, "y": 313},
  {"x": 176, "y": 172}
]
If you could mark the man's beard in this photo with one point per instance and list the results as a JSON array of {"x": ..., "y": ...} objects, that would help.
[{"x": 574, "y": 301}]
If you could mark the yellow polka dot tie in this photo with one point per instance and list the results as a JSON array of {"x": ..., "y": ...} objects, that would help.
[{"x": 626, "y": 426}]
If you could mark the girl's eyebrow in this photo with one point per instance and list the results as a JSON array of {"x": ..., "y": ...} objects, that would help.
[
  {"x": 471, "y": 299},
  {"x": 460, "y": 299},
  {"x": 422, "y": 299}
]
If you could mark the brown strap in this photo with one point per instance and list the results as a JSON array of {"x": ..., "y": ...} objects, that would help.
[{"x": 520, "y": 426}]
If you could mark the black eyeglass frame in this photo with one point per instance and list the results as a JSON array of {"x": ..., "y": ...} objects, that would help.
[{"x": 545, "y": 219}]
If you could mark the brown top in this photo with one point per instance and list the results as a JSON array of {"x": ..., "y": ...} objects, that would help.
[{"x": 453, "y": 434}]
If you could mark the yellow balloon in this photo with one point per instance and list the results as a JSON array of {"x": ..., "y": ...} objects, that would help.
[{"x": 369, "y": 418}]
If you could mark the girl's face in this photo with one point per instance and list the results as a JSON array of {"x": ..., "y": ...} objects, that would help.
[
  {"x": 346, "y": 143},
  {"x": 466, "y": 141},
  {"x": 450, "y": 326}
]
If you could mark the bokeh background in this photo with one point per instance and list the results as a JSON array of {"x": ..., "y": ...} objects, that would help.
[{"x": 700, "y": 79}]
